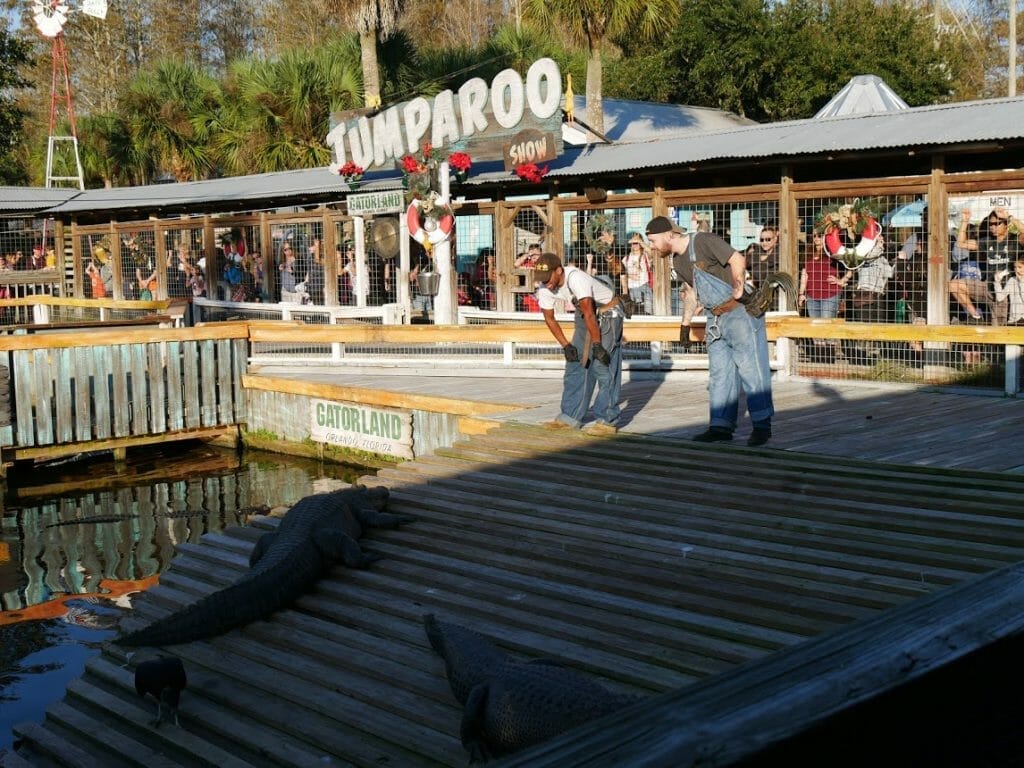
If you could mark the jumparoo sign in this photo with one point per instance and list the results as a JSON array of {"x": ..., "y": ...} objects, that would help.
[{"x": 479, "y": 115}]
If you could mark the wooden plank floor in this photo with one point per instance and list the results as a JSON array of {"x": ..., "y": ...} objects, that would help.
[
  {"x": 645, "y": 561},
  {"x": 885, "y": 422}
]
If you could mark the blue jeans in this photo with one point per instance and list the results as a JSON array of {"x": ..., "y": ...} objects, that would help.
[
  {"x": 644, "y": 298},
  {"x": 823, "y": 307},
  {"x": 578, "y": 382},
  {"x": 737, "y": 356}
]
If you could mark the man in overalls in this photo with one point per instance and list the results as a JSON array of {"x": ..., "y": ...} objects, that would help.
[
  {"x": 594, "y": 356},
  {"x": 736, "y": 340}
]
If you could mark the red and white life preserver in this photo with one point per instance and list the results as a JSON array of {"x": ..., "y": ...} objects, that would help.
[
  {"x": 835, "y": 248},
  {"x": 435, "y": 236}
]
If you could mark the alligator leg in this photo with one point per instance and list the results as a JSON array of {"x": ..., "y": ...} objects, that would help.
[
  {"x": 263, "y": 543},
  {"x": 334, "y": 544},
  {"x": 371, "y": 518},
  {"x": 472, "y": 728}
]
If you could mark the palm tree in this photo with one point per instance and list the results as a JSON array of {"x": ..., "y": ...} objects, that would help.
[
  {"x": 173, "y": 108},
  {"x": 108, "y": 153},
  {"x": 592, "y": 22},
  {"x": 277, "y": 113},
  {"x": 374, "y": 20}
]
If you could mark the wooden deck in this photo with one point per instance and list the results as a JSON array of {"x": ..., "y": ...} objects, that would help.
[{"x": 647, "y": 561}]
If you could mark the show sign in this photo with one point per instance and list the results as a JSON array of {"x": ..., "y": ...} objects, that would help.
[
  {"x": 530, "y": 146},
  {"x": 349, "y": 425},
  {"x": 480, "y": 119}
]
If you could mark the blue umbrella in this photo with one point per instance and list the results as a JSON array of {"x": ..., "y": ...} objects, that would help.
[{"x": 908, "y": 215}]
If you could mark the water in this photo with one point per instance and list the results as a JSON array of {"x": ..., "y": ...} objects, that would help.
[{"x": 85, "y": 536}]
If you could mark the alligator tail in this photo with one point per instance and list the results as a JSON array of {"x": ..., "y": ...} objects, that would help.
[
  {"x": 245, "y": 601},
  {"x": 469, "y": 657}
]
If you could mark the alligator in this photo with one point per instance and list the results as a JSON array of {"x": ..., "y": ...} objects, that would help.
[
  {"x": 509, "y": 705},
  {"x": 316, "y": 533},
  {"x": 241, "y": 514}
]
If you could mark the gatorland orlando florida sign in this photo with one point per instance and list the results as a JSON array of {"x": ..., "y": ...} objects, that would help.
[{"x": 511, "y": 118}]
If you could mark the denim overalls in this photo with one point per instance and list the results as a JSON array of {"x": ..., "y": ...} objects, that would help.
[
  {"x": 578, "y": 382},
  {"x": 737, "y": 354}
]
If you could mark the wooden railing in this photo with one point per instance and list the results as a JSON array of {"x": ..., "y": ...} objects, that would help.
[
  {"x": 81, "y": 391},
  {"x": 96, "y": 390},
  {"x": 36, "y": 312}
]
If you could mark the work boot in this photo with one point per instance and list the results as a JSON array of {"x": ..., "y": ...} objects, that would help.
[
  {"x": 556, "y": 424},
  {"x": 759, "y": 436},
  {"x": 714, "y": 435},
  {"x": 600, "y": 429}
]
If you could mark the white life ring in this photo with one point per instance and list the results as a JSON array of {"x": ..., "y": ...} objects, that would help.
[
  {"x": 429, "y": 236},
  {"x": 859, "y": 253}
]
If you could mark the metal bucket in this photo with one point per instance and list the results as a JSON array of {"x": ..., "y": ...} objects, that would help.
[{"x": 428, "y": 283}]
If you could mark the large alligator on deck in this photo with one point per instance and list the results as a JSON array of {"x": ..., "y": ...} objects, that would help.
[
  {"x": 316, "y": 533},
  {"x": 510, "y": 705}
]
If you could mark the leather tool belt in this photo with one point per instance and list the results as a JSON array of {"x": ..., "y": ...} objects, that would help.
[{"x": 727, "y": 306}]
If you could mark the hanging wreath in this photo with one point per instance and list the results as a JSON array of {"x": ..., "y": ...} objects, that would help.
[
  {"x": 430, "y": 220},
  {"x": 852, "y": 234},
  {"x": 597, "y": 225}
]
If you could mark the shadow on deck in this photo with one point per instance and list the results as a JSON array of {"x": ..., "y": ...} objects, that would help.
[{"x": 748, "y": 593}]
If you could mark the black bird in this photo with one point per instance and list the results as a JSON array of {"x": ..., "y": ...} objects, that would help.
[{"x": 164, "y": 678}]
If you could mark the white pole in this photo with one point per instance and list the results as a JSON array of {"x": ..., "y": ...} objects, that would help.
[{"x": 445, "y": 306}]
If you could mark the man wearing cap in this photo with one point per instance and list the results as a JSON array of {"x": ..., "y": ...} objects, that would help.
[
  {"x": 594, "y": 357},
  {"x": 737, "y": 342}
]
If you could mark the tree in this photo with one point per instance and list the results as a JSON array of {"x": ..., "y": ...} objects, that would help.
[
  {"x": 13, "y": 55},
  {"x": 591, "y": 23},
  {"x": 785, "y": 60},
  {"x": 171, "y": 110},
  {"x": 277, "y": 113},
  {"x": 374, "y": 21},
  {"x": 108, "y": 153}
]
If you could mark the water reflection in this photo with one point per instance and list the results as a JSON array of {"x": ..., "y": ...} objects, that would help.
[{"x": 79, "y": 540}]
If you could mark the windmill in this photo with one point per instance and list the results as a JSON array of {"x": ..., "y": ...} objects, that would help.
[{"x": 50, "y": 16}]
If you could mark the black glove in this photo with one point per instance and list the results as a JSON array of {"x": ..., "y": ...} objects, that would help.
[
  {"x": 599, "y": 353},
  {"x": 684, "y": 337},
  {"x": 572, "y": 355}
]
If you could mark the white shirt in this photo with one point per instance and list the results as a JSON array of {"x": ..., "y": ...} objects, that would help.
[
  {"x": 577, "y": 285},
  {"x": 637, "y": 266}
]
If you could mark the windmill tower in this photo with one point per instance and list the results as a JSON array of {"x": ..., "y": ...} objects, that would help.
[{"x": 50, "y": 17}]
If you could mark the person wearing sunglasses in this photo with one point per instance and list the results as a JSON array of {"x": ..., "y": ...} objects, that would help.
[
  {"x": 999, "y": 243},
  {"x": 763, "y": 256}
]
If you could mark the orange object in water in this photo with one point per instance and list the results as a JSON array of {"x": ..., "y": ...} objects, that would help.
[{"x": 56, "y": 607}]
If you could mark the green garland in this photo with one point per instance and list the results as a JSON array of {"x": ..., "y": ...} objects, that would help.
[
  {"x": 833, "y": 215},
  {"x": 596, "y": 224}
]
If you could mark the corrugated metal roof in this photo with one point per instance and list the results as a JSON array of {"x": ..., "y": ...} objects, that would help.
[
  {"x": 938, "y": 125},
  {"x": 864, "y": 93},
  {"x": 241, "y": 189},
  {"x": 32, "y": 199},
  {"x": 630, "y": 121}
]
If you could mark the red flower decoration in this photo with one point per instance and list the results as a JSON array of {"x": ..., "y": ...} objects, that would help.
[
  {"x": 411, "y": 165},
  {"x": 531, "y": 172},
  {"x": 351, "y": 171},
  {"x": 460, "y": 161}
]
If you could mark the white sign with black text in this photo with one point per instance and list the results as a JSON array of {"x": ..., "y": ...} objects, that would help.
[{"x": 377, "y": 430}]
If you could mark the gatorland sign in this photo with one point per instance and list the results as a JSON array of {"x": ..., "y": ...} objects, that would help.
[{"x": 490, "y": 121}]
